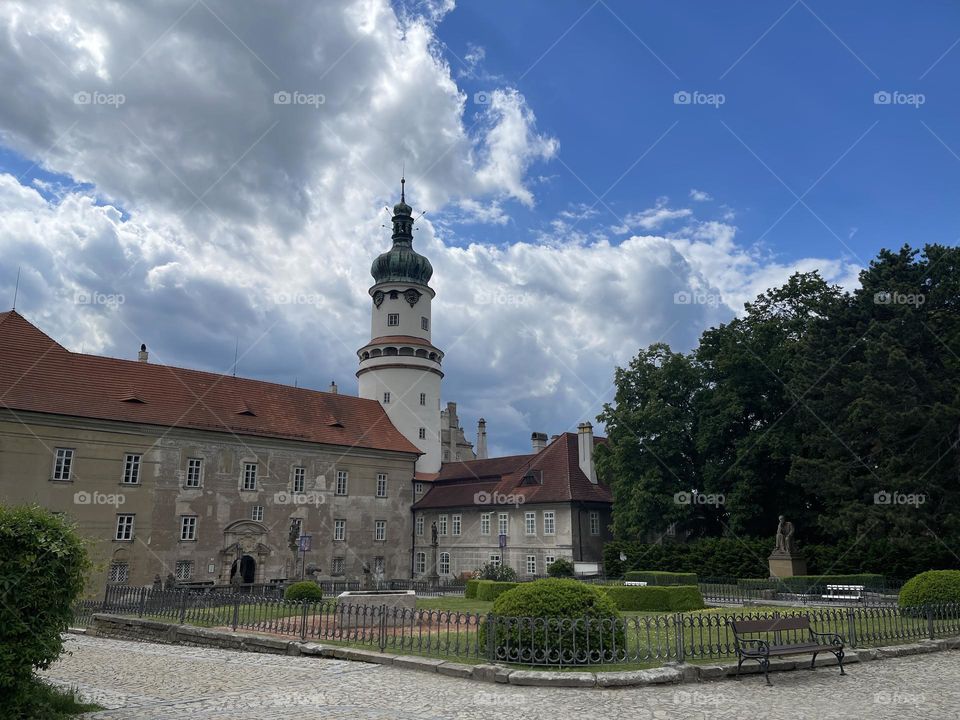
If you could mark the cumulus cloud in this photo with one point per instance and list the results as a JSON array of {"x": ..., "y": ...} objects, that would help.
[
  {"x": 700, "y": 195},
  {"x": 203, "y": 211}
]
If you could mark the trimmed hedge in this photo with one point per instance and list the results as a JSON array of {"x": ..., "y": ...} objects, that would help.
[
  {"x": 470, "y": 589},
  {"x": 802, "y": 583},
  {"x": 659, "y": 598},
  {"x": 658, "y": 577},
  {"x": 303, "y": 590},
  {"x": 580, "y": 627},
  {"x": 934, "y": 587},
  {"x": 492, "y": 589}
]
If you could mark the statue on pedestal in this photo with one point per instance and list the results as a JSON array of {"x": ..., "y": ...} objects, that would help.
[
  {"x": 785, "y": 543},
  {"x": 785, "y": 560}
]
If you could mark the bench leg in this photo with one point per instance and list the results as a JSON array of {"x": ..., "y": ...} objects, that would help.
[
  {"x": 765, "y": 664},
  {"x": 813, "y": 660},
  {"x": 739, "y": 664},
  {"x": 839, "y": 655}
]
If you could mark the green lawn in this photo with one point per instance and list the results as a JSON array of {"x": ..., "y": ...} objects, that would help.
[{"x": 459, "y": 604}]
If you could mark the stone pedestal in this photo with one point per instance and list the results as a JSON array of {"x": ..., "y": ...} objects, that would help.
[{"x": 782, "y": 565}]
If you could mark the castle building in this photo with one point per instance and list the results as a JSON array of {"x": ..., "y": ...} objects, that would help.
[{"x": 214, "y": 479}]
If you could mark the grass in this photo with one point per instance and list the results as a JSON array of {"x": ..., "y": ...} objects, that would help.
[
  {"x": 44, "y": 701},
  {"x": 456, "y": 604}
]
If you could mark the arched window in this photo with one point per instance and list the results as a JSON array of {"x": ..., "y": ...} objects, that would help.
[{"x": 420, "y": 566}]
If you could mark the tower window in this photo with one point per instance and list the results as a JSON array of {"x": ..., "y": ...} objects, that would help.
[
  {"x": 423, "y": 433},
  {"x": 393, "y": 319},
  {"x": 425, "y": 323},
  {"x": 423, "y": 398},
  {"x": 386, "y": 398}
]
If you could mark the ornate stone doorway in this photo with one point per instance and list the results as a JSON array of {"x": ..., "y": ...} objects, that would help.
[
  {"x": 247, "y": 567},
  {"x": 245, "y": 552}
]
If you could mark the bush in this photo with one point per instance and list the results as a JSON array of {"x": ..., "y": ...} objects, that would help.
[
  {"x": 555, "y": 621},
  {"x": 657, "y": 577},
  {"x": 470, "y": 589},
  {"x": 303, "y": 591},
  {"x": 662, "y": 598},
  {"x": 560, "y": 568},
  {"x": 934, "y": 587},
  {"x": 491, "y": 589},
  {"x": 500, "y": 573},
  {"x": 42, "y": 567}
]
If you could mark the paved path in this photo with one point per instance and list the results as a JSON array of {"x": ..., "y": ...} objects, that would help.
[{"x": 145, "y": 680}]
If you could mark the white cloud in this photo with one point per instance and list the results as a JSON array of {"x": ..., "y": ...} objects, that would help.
[
  {"x": 290, "y": 206},
  {"x": 700, "y": 195}
]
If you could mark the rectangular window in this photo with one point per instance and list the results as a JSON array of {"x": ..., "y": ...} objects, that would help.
[
  {"x": 444, "y": 564},
  {"x": 503, "y": 524},
  {"x": 386, "y": 398},
  {"x": 594, "y": 523},
  {"x": 442, "y": 525},
  {"x": 418, "y": 488},
  {"x": 495, "y": 560},
  {"x": 381, "y": 484},
  {"x": 62, "y": 463},
  {"x": 393, "y": 319},
  {"x": 424, "y": 323},
  {"x": 420, "y": 566},
  {"x": 119, "y": 572},
  {"x": 183, "y": 570},
  {"x": 257, "y": 513},
  {"x": 188, "y": 527},
  {"x": 296, "y": 525},
  {"x": 339, "y": 529},
  {"x": 131, "y": 469},
  {"x": 194, "y": 472},
  {"x": 380, "y": 530},
  {"x": 485, "y": 524},
  {"x": 423, "y": 398},
  {"x": 299, "y": 479},
  {"x": 455, "y": 519},
  {"x": 379, "y": 566},
  {"x": 420, "y": 525},
  {"x": 549, "y": 522},
  {"x": 530, "y": 523},
  {"x": 124, "y": 527},
  {"x": 342, "y": 479},
  {"x": 423, "y": 433},
  {"x": 531, "y": 564},
  {"x": 249, "y": 476},
  {"x": 337, "y": 566},
  {"x": 549, "y": 560}
]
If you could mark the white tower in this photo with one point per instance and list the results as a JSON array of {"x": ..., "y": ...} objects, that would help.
[{"x": 400, "y": 367}]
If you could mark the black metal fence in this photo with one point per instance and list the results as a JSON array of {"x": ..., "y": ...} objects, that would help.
[{"x": 631, "y": 639}]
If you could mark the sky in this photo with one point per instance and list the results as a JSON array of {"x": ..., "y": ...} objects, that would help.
[{"x": 206, "y": 176}]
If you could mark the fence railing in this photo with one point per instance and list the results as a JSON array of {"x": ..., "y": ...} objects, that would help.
[{"x": 630, "y": 639}]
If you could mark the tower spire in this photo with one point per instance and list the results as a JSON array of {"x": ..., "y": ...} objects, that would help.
[{"x": 403, "y": 182}]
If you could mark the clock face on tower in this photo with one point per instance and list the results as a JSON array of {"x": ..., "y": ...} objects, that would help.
[
  {"x": 378, "y": 298},
  {"x": 411, "y": 296}
]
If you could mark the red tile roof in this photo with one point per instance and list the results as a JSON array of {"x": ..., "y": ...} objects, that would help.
[
  {"x": 470, "y": 483},
  {"x": 39, "y": 375}
]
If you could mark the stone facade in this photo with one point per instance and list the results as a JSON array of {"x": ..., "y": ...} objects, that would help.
[{"x": 453, "y": 442}]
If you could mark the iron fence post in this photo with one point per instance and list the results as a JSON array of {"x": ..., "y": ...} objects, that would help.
[
  {"x": 930, "y": 625},
  {"x": 678, "y": 621},
  {"x": 852, "y": 627},
  {"x": 303, "y": 622},
  {"x": 236, "y": 612},
  {"x": 183, "y": 606},
  {"x": 382, "y": 629},
  {"x": 491, "y": 645},
  {"x": 143, "y": 602}
]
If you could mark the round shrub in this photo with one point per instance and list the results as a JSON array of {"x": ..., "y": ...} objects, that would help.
[
  {"x": 303, "y": 591},
  {"x": 560, "y": 568},
  {"x": 42, "y": 567},
  {"x": 492, "y": 571},
  {"x": 554, "y": 622},
  {"x": 934, "y": 587}
]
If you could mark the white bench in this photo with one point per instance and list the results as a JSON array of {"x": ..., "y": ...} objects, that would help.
[
  {"x": 634, "y": 583},
  {"x": 844, "y": 592}
]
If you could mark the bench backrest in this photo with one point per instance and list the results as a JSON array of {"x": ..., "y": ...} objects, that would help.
[
  {"x": 845, "y": 588},
  {"x": 800, "y": 622},
  {"x": 635, "y": 583}
]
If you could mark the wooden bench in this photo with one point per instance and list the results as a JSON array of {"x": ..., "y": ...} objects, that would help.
[
  {"x": 844, "y": 592},
  {"x": 791, "y": 636},
  {"x": 634, "y": 583}
]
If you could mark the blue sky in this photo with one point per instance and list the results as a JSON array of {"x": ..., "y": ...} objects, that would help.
[
  {"x": 574, "y": 202},
  {"x": 798, "y": 80}
]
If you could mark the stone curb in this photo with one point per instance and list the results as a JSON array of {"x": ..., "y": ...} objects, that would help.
[{"x": 126, "y": 628}]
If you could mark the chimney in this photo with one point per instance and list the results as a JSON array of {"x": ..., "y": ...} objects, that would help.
[
  {"x": 332, "y": 388},
  {"x": 538, "y": 440},
  {"x": 585, "y": 451},
  {"x": 143, "y": 355},
  {"x": 482, "y": 439}
]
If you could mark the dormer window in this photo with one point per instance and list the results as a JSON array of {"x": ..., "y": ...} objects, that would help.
[
  {"x": 393, "y": 319},
  {"x": 533, "y": 477}
]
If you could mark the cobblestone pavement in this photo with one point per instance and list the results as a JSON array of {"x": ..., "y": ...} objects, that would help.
[{"x": 145, "y": 680}]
